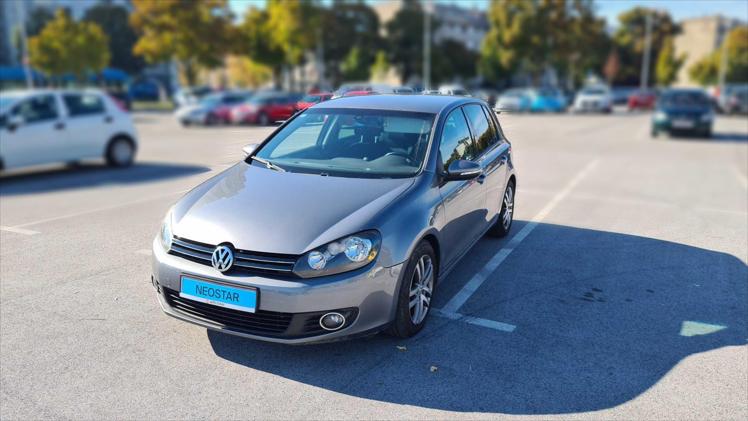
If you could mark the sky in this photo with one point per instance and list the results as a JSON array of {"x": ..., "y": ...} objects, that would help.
[{"x": 610, "y": 9}]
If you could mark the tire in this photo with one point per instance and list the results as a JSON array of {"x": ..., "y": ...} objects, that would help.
[
  {"x": 655, "y": 133},
  {"x": 211, "y": 120},
  {"x": 503, "y": 225},
  {"x": 263, "y": 119},
  {"x": 419, "y": 278},
  {"x": 120, "y": 152}
]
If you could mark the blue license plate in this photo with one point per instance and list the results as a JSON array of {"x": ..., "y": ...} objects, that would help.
[{"x": 242, "y": 299}]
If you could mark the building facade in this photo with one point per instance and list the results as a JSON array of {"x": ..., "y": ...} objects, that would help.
[{"x": 699, "y": 38}]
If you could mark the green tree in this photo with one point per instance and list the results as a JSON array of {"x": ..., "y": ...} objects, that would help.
[
  {"x": 65, "y": 46},
  {"x": 253, "y": 41},
  {"x": 450, "y": 60},
  {"x": 706, "y": 70},
  {"x": 381, "y": 67},
  {"x": 113, "y": 19},
  {"x": 347, "y": 24},
  {"x": 37, "y": 20},
  {"x": 531, "y": 36},
  {"x": 354, "y": 67},
  {"x": 289, "y": 21},
  {"x": 194, "y": 33},
  {"x": 405, "y": 39},
  {"x": 629, "y": 40},
  {"x": 668, "y": 64}
]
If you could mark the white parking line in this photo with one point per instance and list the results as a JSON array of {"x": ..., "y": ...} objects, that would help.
[
  {"x": 105, "y": 208},
  {"x": 453, "y": 306},
  {"x": 18, "y": 230},
  {"x": 491, "y": 324}
]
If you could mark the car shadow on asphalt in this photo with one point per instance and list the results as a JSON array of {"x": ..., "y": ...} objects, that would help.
[
  {"x": 78, "y": 176},
  {"x": 601, "y": 318},
  {"x": 727, "y": 137}
]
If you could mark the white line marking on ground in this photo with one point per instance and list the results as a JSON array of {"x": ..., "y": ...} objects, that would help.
[
  {"x": 491, "y": 324},
  {"x": 742, "y": 179},
  {"x": 453, "y": 306},
  {"x": 145, "y": 252},
  {"x": 19, "y": 230},
  {"x": 102, "y": 209}
]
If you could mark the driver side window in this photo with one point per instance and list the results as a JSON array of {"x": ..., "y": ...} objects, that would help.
[
  {"x": 36, "y": 109},
  {"x": 456, "y": 142}
]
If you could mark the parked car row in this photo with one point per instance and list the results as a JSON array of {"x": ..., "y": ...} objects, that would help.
[{"x": 245, "y": 107}]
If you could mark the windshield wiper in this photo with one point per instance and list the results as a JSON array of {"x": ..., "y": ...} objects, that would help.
[{"x": 268, "y": 164}]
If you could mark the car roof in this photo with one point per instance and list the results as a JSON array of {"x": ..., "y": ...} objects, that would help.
[{"x": 433, "y": 104}]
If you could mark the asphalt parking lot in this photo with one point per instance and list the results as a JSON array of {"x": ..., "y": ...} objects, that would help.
[{"x": 623, "y": 292}]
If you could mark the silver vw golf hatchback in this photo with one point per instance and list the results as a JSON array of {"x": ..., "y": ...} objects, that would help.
[{"x": 341, "y": 223}]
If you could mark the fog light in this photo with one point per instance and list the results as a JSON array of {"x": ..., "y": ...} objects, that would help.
[{"x": 332, "y": 321}]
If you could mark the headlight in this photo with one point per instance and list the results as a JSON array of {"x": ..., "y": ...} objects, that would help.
[
  {"x": 165, "y": 234},
  {"x": 349, "y": 253},
  {"x": 660, "y": 116},
  {"x": 707, "y": 117}
]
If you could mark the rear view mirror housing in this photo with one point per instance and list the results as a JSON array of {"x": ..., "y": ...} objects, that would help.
[{"x": 463, "y": 170}]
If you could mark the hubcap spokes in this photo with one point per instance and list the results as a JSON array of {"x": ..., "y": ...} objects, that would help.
[
  {"x": 421, "y": 286},
  {"x": 508, "y": 207}
]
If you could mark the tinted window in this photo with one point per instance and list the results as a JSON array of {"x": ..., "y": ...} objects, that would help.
[
  {"x": 83, "y": 104},
  {"x": 485, "y": 136},
  {"x": 456, "y": 143},
  {"x": 37, "y": 109},
  {"x": 685, "y": 98}
]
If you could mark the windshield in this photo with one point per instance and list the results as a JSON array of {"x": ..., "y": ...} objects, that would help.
[
  {"x": 685, "y": 99},
  {"x": 311, "y": 98},
  {"x": 7, "y": 100},
  {"x": 594, "y": 91},
  {"x": 352, "y": 143},
  {"x": 212, "y": 99}
]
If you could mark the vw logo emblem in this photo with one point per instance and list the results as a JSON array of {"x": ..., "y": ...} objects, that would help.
[{"x": 222, "y": 258}]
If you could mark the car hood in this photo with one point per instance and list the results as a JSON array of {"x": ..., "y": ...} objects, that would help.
[{"x": 263, "y": 210}]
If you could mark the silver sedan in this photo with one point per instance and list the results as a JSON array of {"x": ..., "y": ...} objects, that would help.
[{"x": 341, "y": 223}]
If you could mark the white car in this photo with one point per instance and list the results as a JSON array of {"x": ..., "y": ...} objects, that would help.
[
  {"x": 594, "y": 99},
  {"x": 456, "y": 90},
  {"x": 49, "y": 126}
]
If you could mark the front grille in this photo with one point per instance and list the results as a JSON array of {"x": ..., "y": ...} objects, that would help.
[
  {"x": 245, "y": 262},
  {"x": 260, "y": 323}
]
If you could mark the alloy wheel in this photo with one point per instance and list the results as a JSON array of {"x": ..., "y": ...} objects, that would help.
[
  {"x": 508, "y": 207},
  {"x": 421, "y": 286}
]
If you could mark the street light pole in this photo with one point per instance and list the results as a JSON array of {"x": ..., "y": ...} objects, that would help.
[
  {"x": 647, "y": 50},
  {"x": 426, "y": 49},
  {"x": 722, "y": 65},
  {"x": 24, "y": 45}
]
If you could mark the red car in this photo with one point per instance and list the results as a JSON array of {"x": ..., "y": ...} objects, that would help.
[
  {"x": 312, "y": 99},
  {"x": 265, "y": 109},
  {"x": 642, "y": 100}
]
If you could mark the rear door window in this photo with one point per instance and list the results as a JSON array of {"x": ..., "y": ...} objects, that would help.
[{"x": 83, "y": 104}]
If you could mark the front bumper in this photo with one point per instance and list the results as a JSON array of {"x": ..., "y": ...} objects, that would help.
[
  {"x": 369, "y": 294},
  {"x": 698, "y": 127}
]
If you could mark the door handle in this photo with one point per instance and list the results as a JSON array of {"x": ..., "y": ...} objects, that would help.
[
  {"x": 59, "y": 125},
  {"x": 108, "y": 119}
]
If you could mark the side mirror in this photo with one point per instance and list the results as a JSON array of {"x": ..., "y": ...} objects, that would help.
[
  {"x": 248, "y": 149},
  {"x": 463, "y": 170},
  {"x": 14, "y": 122}
]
